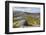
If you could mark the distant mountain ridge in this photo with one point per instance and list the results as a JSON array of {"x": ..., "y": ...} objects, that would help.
[{"x": 19, "y": 13}]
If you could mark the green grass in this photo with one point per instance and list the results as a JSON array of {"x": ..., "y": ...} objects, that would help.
[{"x": 30, "y": 21}]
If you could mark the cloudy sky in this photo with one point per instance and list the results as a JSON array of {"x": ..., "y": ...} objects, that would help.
[{"x": 27, "y": 9}]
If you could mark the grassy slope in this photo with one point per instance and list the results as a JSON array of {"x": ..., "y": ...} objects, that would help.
[{"x": 30, "y": 21}]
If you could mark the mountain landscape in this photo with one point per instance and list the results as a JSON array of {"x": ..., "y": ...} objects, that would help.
[{"x": 22, "y": 19}]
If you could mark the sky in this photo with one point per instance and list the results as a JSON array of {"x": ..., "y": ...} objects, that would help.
[{"x": 27, "y": 9}]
